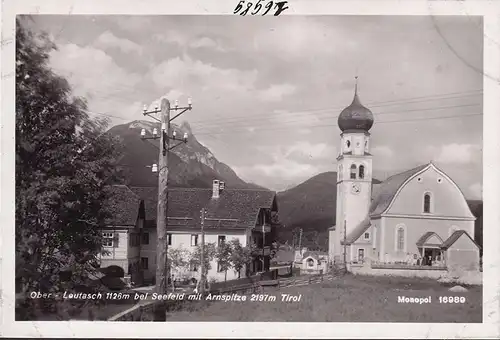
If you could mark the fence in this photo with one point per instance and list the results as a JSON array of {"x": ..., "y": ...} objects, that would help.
[{"x": 243, "y": 286}]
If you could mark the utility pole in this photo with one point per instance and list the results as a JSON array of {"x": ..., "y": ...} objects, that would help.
[
  {"x": 300, "y": 241},
  {"x": 202, "y": 251},
  {"x": 345, "y": 245},
  {"x": 162, "y": 267}
]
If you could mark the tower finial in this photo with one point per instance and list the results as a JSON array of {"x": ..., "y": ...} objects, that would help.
[{"x": 356, "y": 84}]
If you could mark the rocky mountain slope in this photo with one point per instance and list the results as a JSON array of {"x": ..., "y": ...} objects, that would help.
[{"x": 190, "y": 164}]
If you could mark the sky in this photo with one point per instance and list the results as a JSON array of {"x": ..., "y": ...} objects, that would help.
[{"x": 267, "y": 91}]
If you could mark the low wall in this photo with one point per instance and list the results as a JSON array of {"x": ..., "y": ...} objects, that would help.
[{"x": 434, "y": 273}]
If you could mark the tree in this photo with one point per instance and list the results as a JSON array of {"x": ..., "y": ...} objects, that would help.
[
  {"x": 223, "y": 256},
  {"x": 64, "y": 161},
  {"x": 177, "y": 259},
  {"x": 240, "y": 256},
  {"x": 195, "y": 258}
]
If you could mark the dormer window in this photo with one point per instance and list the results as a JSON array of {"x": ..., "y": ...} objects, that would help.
[{"x": 353, "y": 171}]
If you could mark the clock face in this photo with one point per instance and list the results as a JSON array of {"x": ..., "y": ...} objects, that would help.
[{"x": 356, "y": 188}]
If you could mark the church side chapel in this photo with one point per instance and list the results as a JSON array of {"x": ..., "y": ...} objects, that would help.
[{"x": 417, "y": 219}]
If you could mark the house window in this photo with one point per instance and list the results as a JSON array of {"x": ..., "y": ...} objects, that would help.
[
  {"x": 367, "y": 236},
  {"x": 145, "y": 238},
  {"x": 107, "y": 239},
  {"x": 353, "y": 171},
  {"x": 219, "y": 267},
  {"x": 144, "y": 263},
  {"x": 169, "y": 239},
  {"x": 361, "y": 171},
  {"x": 400, "y": 239},
  {"x": 134, "y": 240},
  {"x": 427, "y": 202},
  {"x": 221, "y": 239},
  {"x": 194, "y": 240},
  {"x": 193, "y": 267}
]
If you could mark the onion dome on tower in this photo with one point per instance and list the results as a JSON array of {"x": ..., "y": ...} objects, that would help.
[{"x": 355, "y": 116}]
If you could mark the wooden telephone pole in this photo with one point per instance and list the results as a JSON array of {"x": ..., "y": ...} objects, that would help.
[
  {"x": 202, "y": 283},
  {"x": 162, "y": 270},
  {"x": 162, "y": 265}
]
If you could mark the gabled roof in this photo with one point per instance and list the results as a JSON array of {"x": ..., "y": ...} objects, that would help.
[
  {"x": 314, "y": 254},
  {"x": 425, "y": 237},
  {"x": 454, "y": 237},
  {"x": 123, "y": 206},
  {"x": 358, "y": 231},
  {"x": 386, "y": 191},
  {"x": 234, "y": 208}
]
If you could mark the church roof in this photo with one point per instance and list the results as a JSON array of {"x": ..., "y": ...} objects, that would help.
[
  {"x": 454, "y": 237},
  {"x": 358, "y": 231},
  {"x": 386, "y": 191}
]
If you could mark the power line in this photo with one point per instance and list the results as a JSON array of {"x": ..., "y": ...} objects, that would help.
[
  {"x": 330, "y": 125},
  {"x": 334, "y": 117},
  {"x": 381, "y": 104},
  {"x": 411, "y": 100}
]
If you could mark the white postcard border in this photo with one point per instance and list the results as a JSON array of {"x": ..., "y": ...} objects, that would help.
[{"x": 490, "y": 328}]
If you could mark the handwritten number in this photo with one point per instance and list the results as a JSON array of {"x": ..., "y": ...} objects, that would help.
[
  {"x": 239, "y": 7},
  {"x": 268, "y": 7},
  {"x": 258, "y": 7},
  {"x": 249, "y": 5},
  {"x": 278, "y": 6},
  {"x": 281, "y": 7}
]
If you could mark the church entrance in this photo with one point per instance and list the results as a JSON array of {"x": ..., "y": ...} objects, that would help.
[{"x": 430, "y": 256}]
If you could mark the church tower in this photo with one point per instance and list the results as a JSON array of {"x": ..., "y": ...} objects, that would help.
[{"x": 354, "y": 181}]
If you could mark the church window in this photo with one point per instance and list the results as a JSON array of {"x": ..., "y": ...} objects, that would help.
[
  {"x": 348, "y": 143},
  {"x": 427, "y": 202},
  {"x": 400, "y": 238},
  {"x": 353, "y": 171},
  {"x": 361, "y": 171}
]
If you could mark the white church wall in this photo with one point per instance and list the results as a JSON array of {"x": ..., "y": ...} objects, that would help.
[
  {"x": 414, "y": 229},
  {"x": 446, "y": 198}
]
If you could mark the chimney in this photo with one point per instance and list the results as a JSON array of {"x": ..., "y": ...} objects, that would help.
[
  {"x": 216, "y": 188},
  {"x": 222, "y": 186}
]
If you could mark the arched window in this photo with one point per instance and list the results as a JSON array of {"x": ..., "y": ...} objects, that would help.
[
  {"x": 310, "y": 262},
  {"x": 353, "y": 171},
  {"x": 361, "y": 171},
  {"x": 400, "y": 239},
  {"x": 427, "y": 202}
]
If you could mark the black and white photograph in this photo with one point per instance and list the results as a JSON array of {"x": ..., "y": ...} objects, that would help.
[{"x": 273, "y": 168}]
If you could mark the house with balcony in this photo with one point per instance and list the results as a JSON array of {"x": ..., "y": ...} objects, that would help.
[
  {"x": 244, "y": 214},
  {"x": 121, "y": 235}
]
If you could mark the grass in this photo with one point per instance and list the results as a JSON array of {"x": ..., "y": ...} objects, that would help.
[{"x": 346, "y": 299}]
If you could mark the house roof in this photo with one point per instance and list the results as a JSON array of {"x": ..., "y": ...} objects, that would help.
[
  {"x": 314, "y": 254},
  {"x": 386, "y": 191},
  {"x": 454, "y": 237},
  {"x": 234, "y": 208},
  {"x": 123, "y": 206}
]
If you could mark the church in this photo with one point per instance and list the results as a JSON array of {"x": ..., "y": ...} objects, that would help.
[{"x": 419, "y": 217}]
